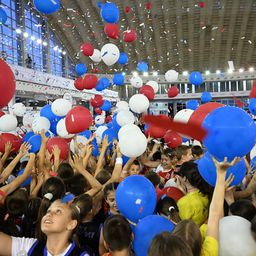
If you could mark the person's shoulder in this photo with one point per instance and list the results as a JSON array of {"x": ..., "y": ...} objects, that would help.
[{"x": 209, "y": 247}]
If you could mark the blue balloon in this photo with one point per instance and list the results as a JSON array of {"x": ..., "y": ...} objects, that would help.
[
  {"x": 102, "y": 84},
  {"x": 47, "y": 6},
  {"x": 95, "y": 150},
  {"x": 118, "y": 79},
  {"x": 27, "y": 136},
  {"x": 116, "y": 126},
  {"x": 106, "y": 105},
  {"x": 109, "y": 13},
  {"x": 111, "y": 133},
  {"x": 253, "y": 163},
  {"x": 142, "y": 66},
  {"x": 196, "y": 78},
  {"x": 3, "y": 16},
  {"x": 53, "y": 127},
  {"x": 46, "y": 111},
  {"x": 110, "y": 125},
  {"x": 86, "y": 134},
  {"x": 231, "y": 132},
  {"x": 207, "y": 170},
  {"x": 81, "y": 69},
  {"x": 252, "y": 106},
  {"x": 136, "y": 198},
  {"x": 123, "y": 58},
  {"x": 99, "y": 4},
  {"x": 206, "y": 97},
  {"x": 192, "y": 104},
  {"x": 27, "y": 181},
  {"x": 147, "y": 229},
  {"x": 184, "y": 140},
  {"x": 35, "y": 142},
  {"x": 125, "y": 159}
]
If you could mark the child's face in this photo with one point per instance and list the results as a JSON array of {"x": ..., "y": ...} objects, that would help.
[
  {"x": 135, "y": 169},
  {"x": 166, "y": 161},
  {"x": 111, "y": 201}
]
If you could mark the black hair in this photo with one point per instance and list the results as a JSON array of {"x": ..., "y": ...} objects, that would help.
[
  {"x": 243, "y": 208},
  {"x": 17, "y": 202},
  {"x": 65, "y": 171},
  {"x": 190, "y": 171},
  {"x": 169, "y": 244},
  {"x": 171, "y": 153},
  {"x": 253, "y": 226},
  {"x": 153, "y": 177},
  {"x": 77, "y": 185},
  {"x": 197, "y": 150},
  {"x": 156, "y": 156},
  {"x": 180, "y": 150},
  {"x": 110, "y": 187},
  {"x": 84, "y": 204},
  {"x": 168, "y": 207},
  {"x": 136, "y": 162},
  {"x": 103, "y": 176},
  {"x": 117, "y": 233}
]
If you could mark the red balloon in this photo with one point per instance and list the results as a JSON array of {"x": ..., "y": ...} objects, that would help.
[
  {"x": 96, "y": 101},
  {"x": 108, "y": 119},
  {"x": 155, "y": 132},
  {"x": 62, "y": 145},
  {"x": 90, "y": 82},
  {"x": 2, "y": 113},
  {"x": 8, "y": 137},
  {"x": 7, "y": 83},
  {"x": 130, "y": 36},
  {"x": 127, "y": 9},
  {"x": 202, "y": 111},
  {"x": 173, "y": 91},
  {"x": 112, "y": 31},
  {"x": 172, "y": 139},
  {"x": 78, "y": 83},
  {"x": 78, "y": 119},
  {"x": 201, "y": 4},
  {"x": 98, "y": 111},
  {"x": 148, "y": 91},
  {"x": 87, "y": 49},
  {"x": 148, "y": 6},
  {"x": 95, "y": 70}
]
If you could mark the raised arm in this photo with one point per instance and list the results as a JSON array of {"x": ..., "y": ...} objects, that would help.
[{"x": 7, "y": 151}]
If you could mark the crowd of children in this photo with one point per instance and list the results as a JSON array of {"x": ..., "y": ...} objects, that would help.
[{"x": 56, "y": 207}]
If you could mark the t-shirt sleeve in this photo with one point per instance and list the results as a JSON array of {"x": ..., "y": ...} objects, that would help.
[
  {"x": 210, "y": 247},
  {"x": 20, "y": 244}
]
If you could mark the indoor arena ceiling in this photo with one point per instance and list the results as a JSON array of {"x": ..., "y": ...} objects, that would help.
[{"x": 172, "y": 34}]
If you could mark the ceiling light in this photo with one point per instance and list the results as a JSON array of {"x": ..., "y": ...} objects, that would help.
[
  {"x": 33, "y": 38},
  {"x": 218, "y": 72},
  {"x": 185, "y": 73},
  {"x": 230, "y": 71},
  {"x": 39, "y": 41},
  {"x": 251, "y": 69},
  {"x": 45, "y": 43},
  {"x": 155, "y": 73},
  {"x": 241, "y": 70},
  {"x": 207, "y": 72},
  {"x": 135, "y": 73},
  {"x": 25, "y": 35},
  {"x": 18, "y": 31},
  {"x": 64, "y": 53},
  {"x": 145, "y": 73}
]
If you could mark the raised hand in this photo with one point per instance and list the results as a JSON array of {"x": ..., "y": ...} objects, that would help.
[
  {"x": 43, "y": 136},
  {"x": 24, "y": 148},
  {"x": 8, "y": 147},
  {"x": 105, "y": 143},
  {"x": 224, "y": 165},
  {"x": 56, "y": 151},
  {"x": 78, "y": 162}
]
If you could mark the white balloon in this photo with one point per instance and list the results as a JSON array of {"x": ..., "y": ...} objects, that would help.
[
  {"x": 126, "y": 129},
  {"x": 134, "y": 144},
  {"x": 19, "y": 109},
  {"x": 40, "y": 123},
  {"x": 154, "y": 85},
  {"x": 122, "y": 105},
  {"x": 62, "y": 130},
  {"x": 79, "y": 140},
  {"x": 110, "y": 54},
  {"x": 171, "y": 76},
  {"x": 8, "y": 123},
  {"x": 68, "y": 96},
  {"x": 235, "y": 237},
  {"x": 183, "y": 115},
  {"x": 99, "y": 131},
  {"x": 139, "y": 103},
  {"x": 28, "y": 119},
  {"x": 136, "y": 82},
  {"x": 96, "y": 57},
  {"x": 61, "y": 107},
  {"x": 99, "y": 120},
  {"x": 125, "y": 117}
]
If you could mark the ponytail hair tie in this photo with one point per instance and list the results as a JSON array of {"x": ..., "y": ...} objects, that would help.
[
  {"x": 78, "y": 209},
  {"x": 68, "y": 198},
  {"x": 171, "y": 208},
  {"x": 48, "y": 196}
]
